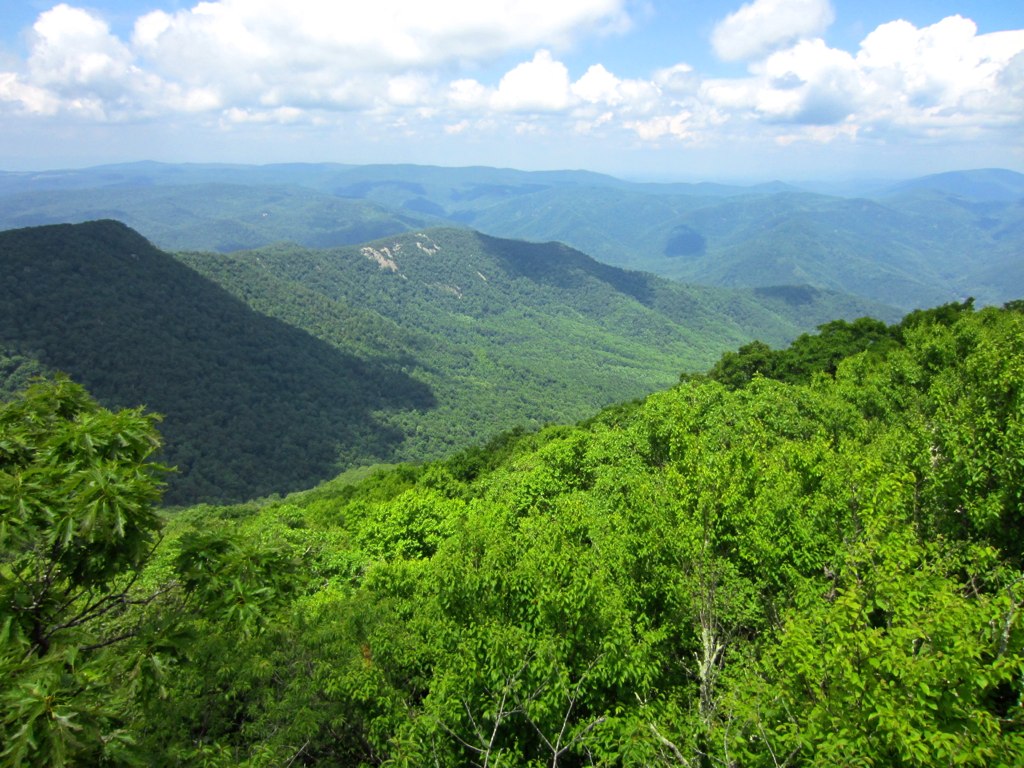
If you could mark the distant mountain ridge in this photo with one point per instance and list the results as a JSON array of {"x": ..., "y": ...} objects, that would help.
[
  {"x": 277, "y": 368},
  {"x": 217, "y": 216},
  {"x": 922, "y": 242},
  {"x": 982, "y": 185}
]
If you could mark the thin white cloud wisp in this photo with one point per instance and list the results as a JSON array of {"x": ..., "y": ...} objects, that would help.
[{"x": 762, "y": 26}]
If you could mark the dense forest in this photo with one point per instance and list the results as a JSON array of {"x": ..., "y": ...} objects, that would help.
[
  {"x": 919, "y": 243},
  {"x": 276, "y": 369},
  {"x": 809, "y": 556}
]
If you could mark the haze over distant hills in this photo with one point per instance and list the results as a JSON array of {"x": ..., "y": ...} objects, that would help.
[
  {"x": 913, "y": 244},
  {"x": 277, "y": 368}
]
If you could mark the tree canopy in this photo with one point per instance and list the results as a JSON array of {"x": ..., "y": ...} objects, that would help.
[{"x": 785, "y": 573}]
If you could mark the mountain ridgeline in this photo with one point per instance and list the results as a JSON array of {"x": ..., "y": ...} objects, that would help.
[
  {"x": 627, "y": 521},
  {"x": 277, "y": 368},
  {"x": 251, "y": 404},
  {"x": 912, "y": 245}
]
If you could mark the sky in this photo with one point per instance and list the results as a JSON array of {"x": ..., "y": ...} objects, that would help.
[{"x": 642, "y": 89}]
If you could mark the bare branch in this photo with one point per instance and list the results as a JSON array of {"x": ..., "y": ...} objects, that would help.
[{"x": 668, "y": 744}]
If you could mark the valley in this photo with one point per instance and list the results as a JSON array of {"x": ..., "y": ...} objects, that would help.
[
  {"x": 911, "y": 244},
  {"x": 277, "y": 368},
  {"x": 511, "y": 384},
  {"x": 310, "y": 469}
]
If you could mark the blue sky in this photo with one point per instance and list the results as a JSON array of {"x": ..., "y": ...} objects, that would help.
[{"x": 789, "y": 89}]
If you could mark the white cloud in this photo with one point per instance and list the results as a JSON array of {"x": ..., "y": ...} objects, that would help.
[
  {"x": 586, "y": 126},
  {"x": 252, "y": 54},
  {"x": 411, "y": 67},
  {"x": 73, "y": 50},
  {"x": 455, "y": 129},
  {"x": 809, "y": 83},
  {"x": 677, "y": 80},
  {"x": 77, "y": 66},
  {"x": 599, "y": 86},
  {"x": 247, "y": 46},
  {"x": 32, "y": 99},
  {"x": 941, "y": 74},
  {"x": 280, "y": 115},
  {"x": 762, "y": 26},
  {"x": 680, "y": 126},
  {"x": 942, "y": 79},
  {"x": 410, "y": 89},
  {"x": 540, "y": 85},
  {"x": 1011, "y": 82},
  {"x": 468, "y": 94}
]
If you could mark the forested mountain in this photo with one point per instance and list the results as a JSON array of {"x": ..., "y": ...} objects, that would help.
[
  {"x": 915, "y": 244},
  {"x": 904, "y": 250},
  {"x": 251, "y": 404},
  {"x": 985, "y": 185},
  {"x": 816, "y": 566},
  {"x": 214, "y": 215},
  {"x": 276, "y": 368}
]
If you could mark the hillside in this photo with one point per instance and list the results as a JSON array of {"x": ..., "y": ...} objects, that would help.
[
  {"x": 922, "y": 242},
  {"x": 213, "y": 215},
  {"x": 277, "y": 368},
  {"x": 819, "y": 568},
  {"x": 905, "y": 251},
  {"x": 251, "y": 405},
  {"x": 536, "y": 332},
  {"x": 985, "y": 185}
]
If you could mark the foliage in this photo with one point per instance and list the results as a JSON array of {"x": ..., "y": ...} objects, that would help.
[
  {"x": 919, "y": 244},
  {"x": 823, "y": 571},
  {"x": 275, "y": 369},
  {"x": 77, "y": 495},
  {"x": 821, "y": 352}
]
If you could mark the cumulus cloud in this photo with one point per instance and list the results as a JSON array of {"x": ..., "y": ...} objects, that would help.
[
  {"x": 281, "y": 115},
  {"x": 418, "y": 66},
  {"x": 598, "y": 86},
  {"x": 762, "y": 26},
  {"x": 539, "y": 85},
  {"x": 1011, "y": 79},
  {"x": 678, "y": 126},
  {"x": 72, "y": 49},
  {"x": 77, "y": 60},
  {"x": 809, "y": 83},
  {"x": 940, "y": 79},
  {"x": 932, "y": 74},
  {"x": 410, "y": 89},
  {"x": 250, "y": 45},
  {"x": 78, "y": 66},
  {"x": 468, "y": 94},
  {"x": 32, "y": 99},
  {"x": 677, "y": 80},
  {"x": 250, "y": 54},
  {"x": 543, "y": 85}
]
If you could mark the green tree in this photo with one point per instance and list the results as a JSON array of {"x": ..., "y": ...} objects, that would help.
[
  {"x": 900, "y": 661},
  {"x": 77, "y": 523}
]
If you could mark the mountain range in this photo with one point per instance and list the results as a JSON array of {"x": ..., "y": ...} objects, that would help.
[
  {"x": 278, "y": 367},
  {"x": 912, "y": 244}
]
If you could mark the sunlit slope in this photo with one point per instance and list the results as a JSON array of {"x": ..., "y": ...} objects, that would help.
[
  {"x": 279, "y": 367},
  {"x": 922, "y": 242}
]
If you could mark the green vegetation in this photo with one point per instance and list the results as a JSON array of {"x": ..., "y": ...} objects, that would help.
[
  {"x": 819, "y": 571},
  {"x": 214, "y": 216},
  {"x": 77, "y": 494},
  {"x": 251, "y": 405},
  {"x": 276, "y": 369},
  {"x": 924, "y": 242},
  {"x": 821, "y": 352}
]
